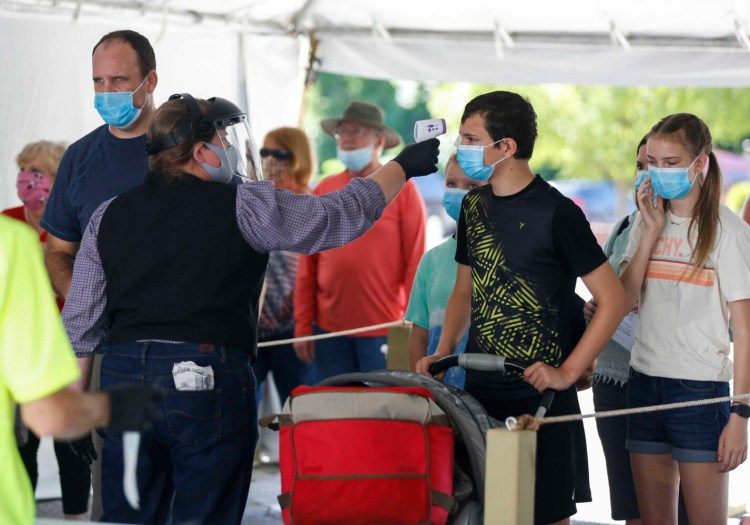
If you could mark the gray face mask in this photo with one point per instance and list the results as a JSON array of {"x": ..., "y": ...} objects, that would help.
[{"x": 229, "y": 159}]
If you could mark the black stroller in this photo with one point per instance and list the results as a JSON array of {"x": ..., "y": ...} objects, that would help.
[{"x": 468, "y": 418}]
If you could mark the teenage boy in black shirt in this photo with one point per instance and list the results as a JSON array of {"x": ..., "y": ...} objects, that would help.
[{"x": 520, "y": 247}]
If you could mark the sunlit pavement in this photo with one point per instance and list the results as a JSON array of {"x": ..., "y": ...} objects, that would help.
[{"x": 262, "y": 507}]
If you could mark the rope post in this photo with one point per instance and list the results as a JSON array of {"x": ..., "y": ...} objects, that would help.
[
  {"x": 510, "y": 475},
  {"x": 398, "y": 347}
]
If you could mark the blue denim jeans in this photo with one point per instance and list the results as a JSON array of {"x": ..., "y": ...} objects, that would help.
[
  {"x": 343, "y": 355},
  {"x": 690, "y": 434},
  {"x": 288, "y": 371},
  {"x": 195, "y": 464}
]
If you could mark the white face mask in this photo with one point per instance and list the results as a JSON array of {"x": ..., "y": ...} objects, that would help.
[{"x": 356, "y": 159}]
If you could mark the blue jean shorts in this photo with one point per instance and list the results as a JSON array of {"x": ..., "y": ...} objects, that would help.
[{"x": 690, "y": 434}]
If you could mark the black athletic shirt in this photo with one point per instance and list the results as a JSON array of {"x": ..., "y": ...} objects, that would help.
[{"x": 525, "y": 252}]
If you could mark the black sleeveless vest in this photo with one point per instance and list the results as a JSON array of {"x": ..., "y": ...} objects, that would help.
[{"x": 177, "y": 266}]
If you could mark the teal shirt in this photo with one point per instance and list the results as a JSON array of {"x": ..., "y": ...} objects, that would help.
[{"x": 433, "y": 284}]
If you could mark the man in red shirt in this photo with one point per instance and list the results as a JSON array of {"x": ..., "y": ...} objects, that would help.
[{"x": 366, "y": 282}]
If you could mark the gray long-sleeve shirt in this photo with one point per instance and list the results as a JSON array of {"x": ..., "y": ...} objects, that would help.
[{"x": 268, "y": 218}]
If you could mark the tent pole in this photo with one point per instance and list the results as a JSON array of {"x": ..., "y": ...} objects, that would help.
[{"x": 311, "y": 74}]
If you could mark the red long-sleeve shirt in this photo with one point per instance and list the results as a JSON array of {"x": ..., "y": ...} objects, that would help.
[{"x": 367, "y": 281}]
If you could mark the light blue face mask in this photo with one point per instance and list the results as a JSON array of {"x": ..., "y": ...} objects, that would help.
[
  {"x": 672, "y": 183},
  {"x": 452, "y": 199},
  {"x": 639, "y": 178},
  {"x": 117, "y": 109},
  {"x": 471, "y": 161},
  {"x": 356, "y": 159},
  {"x": 226, "y": 171}
]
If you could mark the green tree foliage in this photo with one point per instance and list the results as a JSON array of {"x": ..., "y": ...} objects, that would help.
[
  {"x": 592, "y": 131},
  {"x": 584, "y": 131},
  {"x": 402, "y": 102},
  {"x": 736, "y": 195}
]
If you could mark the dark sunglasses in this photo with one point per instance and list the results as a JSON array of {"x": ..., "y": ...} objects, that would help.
[{"x": 279, "y": 154}]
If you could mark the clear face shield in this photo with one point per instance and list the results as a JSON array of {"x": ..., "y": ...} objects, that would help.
[{"x": 237, "y": 141}]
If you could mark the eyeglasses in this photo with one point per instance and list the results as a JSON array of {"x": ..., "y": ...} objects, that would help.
[
  {"x": 278, "y": 154},
  {"x": 353, "y": 132}
]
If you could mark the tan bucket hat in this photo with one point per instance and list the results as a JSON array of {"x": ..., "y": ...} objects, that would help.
[{"x": 363, "y": 113}]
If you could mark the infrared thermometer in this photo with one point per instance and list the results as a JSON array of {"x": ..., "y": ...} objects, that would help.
[{"x": 427, "y": 129}]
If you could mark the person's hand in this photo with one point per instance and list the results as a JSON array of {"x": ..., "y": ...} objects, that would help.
[
  {"x": 132, "y": 407},
  {"x": 733, "y": 444},
  {"x": 423, "y": 367},
  {"x": 419, "y": 159},
  {"x": 653, "y": 214},
  {"x": 586, "y": 379},
  {"x": 542, "y": 376},
  {"x": 305, "y": 351},
  {"x": 589, "y": 309},
  {"x": 84, "y": 448}
]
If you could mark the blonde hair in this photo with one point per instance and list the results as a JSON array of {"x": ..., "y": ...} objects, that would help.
[
  {"x": 692, "y": 132},
  {"x": 50, "y": 155},
  {"x": 453, "y": 159},
  {"x": 168, "y": 119},
  {"x": 296, "y": 142}
]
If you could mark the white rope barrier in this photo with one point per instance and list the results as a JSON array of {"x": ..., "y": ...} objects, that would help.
[
  {"x": 278, "y": 342},
  {"x": 510, "y": 423}
]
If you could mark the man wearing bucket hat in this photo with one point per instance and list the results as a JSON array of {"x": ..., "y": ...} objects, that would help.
[{"x": 367, "y": 282}]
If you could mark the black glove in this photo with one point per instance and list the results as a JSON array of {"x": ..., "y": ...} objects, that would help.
[
  {"x": 420, "y": 158},
  {"x": 84, "y": 448},
  {"x": 132, "y": 407}
]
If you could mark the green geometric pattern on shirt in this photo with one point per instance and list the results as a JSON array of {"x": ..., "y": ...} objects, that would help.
[{"x": 507, "y": 315}]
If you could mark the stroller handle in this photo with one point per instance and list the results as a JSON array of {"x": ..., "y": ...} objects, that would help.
[
  {"x": 490, "y": 363},
  {"x": 483, "y": 362},
  {"x": 547, "y": 397}
]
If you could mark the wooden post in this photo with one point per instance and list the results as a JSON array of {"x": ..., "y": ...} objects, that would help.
[
  {"x": 509, "y": 477},
  {"x": 398, "y": 347}
]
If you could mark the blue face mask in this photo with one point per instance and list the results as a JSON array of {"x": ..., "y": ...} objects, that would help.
[
  {"x": 639, "y": 178},
  {"x": 117, "y": 109},
  {"x": 356, "y": 159},
  {"x": 226, "y": 171},
  {"x": 452, "y": 199},
  {"x": 672, "y": 183},
  {"x": 471, "y": 161}
]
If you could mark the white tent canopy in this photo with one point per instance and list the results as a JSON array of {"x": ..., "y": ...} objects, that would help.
[{"x": 257, "y": 52}]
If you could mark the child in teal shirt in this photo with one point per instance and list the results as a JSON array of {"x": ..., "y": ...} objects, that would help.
[{"x": 434, "y": 280}]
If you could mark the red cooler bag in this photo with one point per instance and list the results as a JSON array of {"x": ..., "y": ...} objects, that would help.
[{"x": 369, "y": 455}]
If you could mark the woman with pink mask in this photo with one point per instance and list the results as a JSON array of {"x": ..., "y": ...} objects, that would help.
[
  {"x": 288, "y": 161},
  {"x": 37, "y": 167}
]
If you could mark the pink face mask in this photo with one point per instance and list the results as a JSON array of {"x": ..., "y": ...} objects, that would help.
[{"x": 33, "y": 189}]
